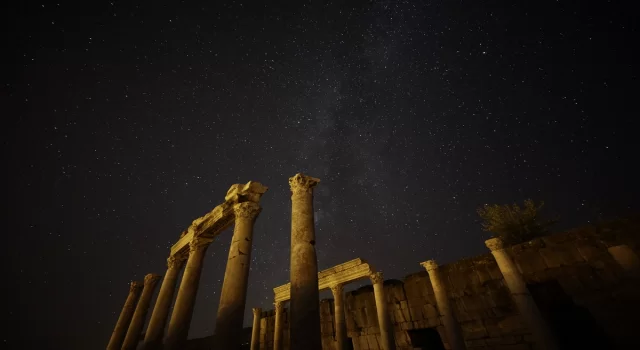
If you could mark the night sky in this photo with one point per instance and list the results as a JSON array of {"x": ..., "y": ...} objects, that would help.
[{"x": 124, "y": 122}]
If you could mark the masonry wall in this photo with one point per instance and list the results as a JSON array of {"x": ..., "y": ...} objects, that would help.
[{"x": 577, "y": 284}]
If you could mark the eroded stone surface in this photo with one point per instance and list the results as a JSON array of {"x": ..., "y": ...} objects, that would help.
[{"x": 304, "y": 308}]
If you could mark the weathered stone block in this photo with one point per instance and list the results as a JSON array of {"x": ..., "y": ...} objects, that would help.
[
  {"x": 429, "y": 311},
  {"x": 405, "y": 326},
  {"x": 373, "y": 341},
  {"x": 402, "y": 339},
  {"x": 364, "y": 344},
  {"x": 514, "y": 347},
  {"x": 473, "y": 329},
  {"x": 589, "y": 252},
  {"x": 416, "y": 313},
  {"x": 530, "y": 261}
]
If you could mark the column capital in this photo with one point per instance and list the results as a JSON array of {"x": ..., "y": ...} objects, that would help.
[
  {"x": 301, "y": 183},
  {"x": 257, "y": 312},
  {"x": 494, "y": 244},
  {"x": 429, "y": 265},
  {"x": 246, "y": 210},
  {"x": 151, "y": 279},
  {"x": 136, "y": 286},
  {"x": 376, "y": 277},
  {"x": 177, "y": 260},
  {"x": 336, "y": 289},
  {"x": 198, "y": 243},
  {"x": 279, "y": 306}
]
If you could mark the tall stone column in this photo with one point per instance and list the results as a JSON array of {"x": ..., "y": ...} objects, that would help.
[
  {"x": 234, "y": 288},
  {"x": 255, "y": 330},
  {"x": 387, "y": 335},
  {"x": 183, "y": 308},
  {"x": 304, "y": 309},
  {"x": 137, "y": 322},
  {"x": 119, "y": 332},
  {"x": 521, "y": 296},
  {"x": 626, "y": 257},
  {"x": 341, "y": 326},
  {"x": 277, "y": 332},
  {"x": 155, "y": 329},
  {"x": 454, "y": 332}
]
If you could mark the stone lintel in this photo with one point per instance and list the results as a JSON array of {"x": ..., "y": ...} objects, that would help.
[
  {"x": 221, "y": 217},
  {"x": 340, "y": 274}
]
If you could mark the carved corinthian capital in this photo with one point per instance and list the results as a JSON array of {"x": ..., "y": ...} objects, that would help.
[
  {"x": 494, "y": 244},
  {"x": 151, "y": 279},
  {"x": 376, "y": 278},
  {"x": 257, "y": 312},
  {"x": 135, "y": 287},
  {"x": 430, "y": 265},
  {"x": 199, "y": 243},
  {"x": 176, "y": 261},
  {"x": 301, "y": 183},
  {"x": 336, "y": 290},
  {"x": 279, "y": 306},
  {"x": 246, "y": 210}
]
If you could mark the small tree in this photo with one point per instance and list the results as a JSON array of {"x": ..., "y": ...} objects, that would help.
[{"x": 514, "y": 224}]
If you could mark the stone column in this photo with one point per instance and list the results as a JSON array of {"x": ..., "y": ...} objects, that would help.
[
  {"x": 155, "y": 329},
  {"x": 341, "y": 326},
  {"x": 277, "y": 336},
  {"x": 119, "y": 332},
  {"x": 137, "y": 322},
  {"x": 234, "y": 288},
  {"x": 387, "y": 335},
  {"x": 521, "y": 296},
  {"x": 304, "y": 307},
  {"x": 183, "y": 308},
  {"x": 255, "y": 330},
  {"x": 451, "y": 326},
  {"x": 626, "y": 257}
]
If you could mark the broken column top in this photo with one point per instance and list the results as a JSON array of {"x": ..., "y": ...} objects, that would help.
[
  {"x": 429, "y": 265},
  {"x": 494, "y": 244},
  {"x": 249, "y": 192}
]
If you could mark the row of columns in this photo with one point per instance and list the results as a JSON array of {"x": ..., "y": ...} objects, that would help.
[
  {"x": 384, "y": 322},
  {"x": 514, "y": 281},
  {"x": 127, "y": 332},
  {"x": 520, "y": 294}
]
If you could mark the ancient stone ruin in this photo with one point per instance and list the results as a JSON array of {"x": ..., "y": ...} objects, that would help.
[
  {"x": 241, "y": 207},
  {"x": 574, "y": 290}
]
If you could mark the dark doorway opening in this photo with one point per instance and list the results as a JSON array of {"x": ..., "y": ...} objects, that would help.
[
  {"x": 349, "y": 343},
  {"x": 425, "y": 339},
  {"x": 573, "y": 326}
]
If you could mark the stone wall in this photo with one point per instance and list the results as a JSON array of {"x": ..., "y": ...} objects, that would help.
[{"x": 586, "y": 297}]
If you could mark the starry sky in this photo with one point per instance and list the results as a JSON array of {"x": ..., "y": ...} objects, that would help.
[{"x": 126, "y": 120}]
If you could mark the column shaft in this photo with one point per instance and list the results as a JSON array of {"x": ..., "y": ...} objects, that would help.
[
  {"x": 277, "y": 336},
  {"x": 454, "y": 332},
  {"x": 155, "y": 329},
  {"x": 119, "y": 332},
  {"x": 341, "y": 326},
  {"x": 234, "y": 288},
  {"x": 255, "y": 330},
  {"x": 387, "y": 335},
  {"x": 137, "y": 322},
  {"x": 185, "y": 301},
  {"x": 304, "y": 310},
  {"x": 521, "y": 296}
]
